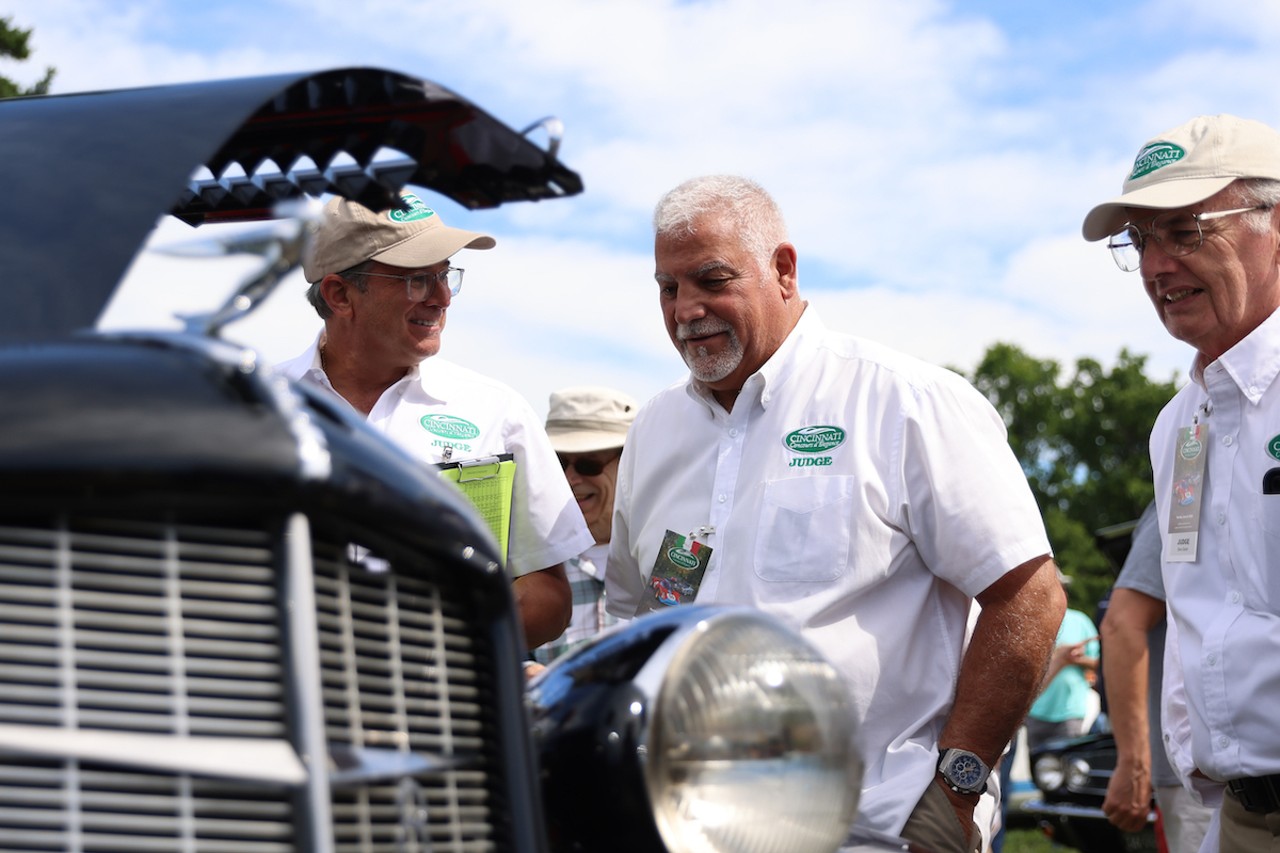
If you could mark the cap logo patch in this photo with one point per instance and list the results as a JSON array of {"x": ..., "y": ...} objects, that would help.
[
  {"x": 417, "y": 210},
  {"x": 1155, "y": 156}
]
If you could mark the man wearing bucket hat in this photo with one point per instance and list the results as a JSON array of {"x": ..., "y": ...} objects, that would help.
[
  {"x": 1197, "y": 219},
  {"x": 383, "y": 283},
  {"x": 587, "y": 426}
]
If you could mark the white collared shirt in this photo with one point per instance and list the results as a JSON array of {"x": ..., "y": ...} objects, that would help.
[
  {"x": 872, "y": 547},
  {"x": 547, "y": 527},
  {"x": 1221, "y": 703}
]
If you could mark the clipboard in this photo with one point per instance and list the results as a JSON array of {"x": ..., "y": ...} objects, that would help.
[{"x": 487, "y": 481}]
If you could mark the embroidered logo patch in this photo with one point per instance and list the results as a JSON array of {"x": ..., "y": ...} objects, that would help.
[
  {"x": 417, "y": 210},
  {"x": 814, "y": 439},
  {"x": 447, "y": 426},
  {"x": 1155, "y": 156},
  {"x": 1273, "y": 447}
]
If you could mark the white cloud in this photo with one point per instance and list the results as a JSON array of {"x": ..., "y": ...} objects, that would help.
[{"x": 934, "y": 159}]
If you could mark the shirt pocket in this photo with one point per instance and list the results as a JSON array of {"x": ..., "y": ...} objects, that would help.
[{"x": 805, "y": 528}]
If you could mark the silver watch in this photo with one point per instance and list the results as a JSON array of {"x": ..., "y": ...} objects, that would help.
[{"x": 964, "y": 772}]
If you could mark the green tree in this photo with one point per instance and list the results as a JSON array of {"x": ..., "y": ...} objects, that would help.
[
  {"x": 1082, "y": 441},
  {"x": 13, "y": 45}
]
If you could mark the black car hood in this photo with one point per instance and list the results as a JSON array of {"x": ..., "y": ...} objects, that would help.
[{"x": 86, "y": 176}]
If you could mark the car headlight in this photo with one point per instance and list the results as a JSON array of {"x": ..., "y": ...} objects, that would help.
[
  {"x": 1048, "y": 773},
  {"x": 733, "y": 731},
  {"x": 1077, "y": 773}
]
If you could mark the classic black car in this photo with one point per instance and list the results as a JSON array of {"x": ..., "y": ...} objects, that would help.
[{"x": 234, "y": 619}]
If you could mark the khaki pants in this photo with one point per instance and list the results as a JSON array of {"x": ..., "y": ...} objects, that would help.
[
  {"x": 1245, "y": 831},
  {"x": 933, "y": 825}
]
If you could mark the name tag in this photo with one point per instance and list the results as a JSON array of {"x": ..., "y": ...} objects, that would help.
[{"x": 1189, "y": 456}]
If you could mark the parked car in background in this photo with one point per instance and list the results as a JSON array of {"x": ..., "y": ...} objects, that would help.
[
  {"x": 1072, "y": 777},
  {"x": 234, "y": 618}
]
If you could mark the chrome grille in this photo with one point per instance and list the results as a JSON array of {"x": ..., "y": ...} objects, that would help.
[
  {"x": 47, "y": 805},
  {"x": 174, "y": 628},
  {"x": 399, "y": 672},
  {"x": 140, "y": 627}
]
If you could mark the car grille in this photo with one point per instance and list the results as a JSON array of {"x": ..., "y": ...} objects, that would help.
[{"x": 177, "y": 628}]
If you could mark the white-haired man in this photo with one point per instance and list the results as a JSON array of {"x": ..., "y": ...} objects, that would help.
[
  {"x": 1197, "y": 219},
  {"x": 863, "y": 496}
]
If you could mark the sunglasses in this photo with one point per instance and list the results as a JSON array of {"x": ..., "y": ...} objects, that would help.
[{"x": 586, "y": 466}]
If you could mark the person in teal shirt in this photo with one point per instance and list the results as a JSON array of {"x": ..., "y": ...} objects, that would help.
[{"x": 1060, "y": 709}]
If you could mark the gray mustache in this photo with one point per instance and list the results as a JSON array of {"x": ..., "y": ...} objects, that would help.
[{"x": 705, "y": 326}]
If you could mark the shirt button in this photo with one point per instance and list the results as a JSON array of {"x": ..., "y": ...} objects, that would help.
[
  {"x": 733, "y": 432},
  {"x": 1226, "y": 439},
  {"x": 722, "y": 498},
  {"x": 1224, "y": 742},
  {"x": 1222, "y": 518},
  {"x": 1211, "y": 659},
  {"x": 1235, "y": 598}
]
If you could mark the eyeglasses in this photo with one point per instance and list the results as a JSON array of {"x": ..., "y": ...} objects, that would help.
[
  {"x": 418, "y": 285},
  {"x": 585, "y": 465},
  {"x": 1179, "y": 234}
]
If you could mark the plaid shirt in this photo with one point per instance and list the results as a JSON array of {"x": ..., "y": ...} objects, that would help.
[{"x": 586, "y": 580}]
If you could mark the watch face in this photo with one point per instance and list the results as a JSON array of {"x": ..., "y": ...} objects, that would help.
[{"x": 966, "y": 771}]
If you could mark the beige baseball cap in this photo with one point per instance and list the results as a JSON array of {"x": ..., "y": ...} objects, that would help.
[
  {"x": 1186, "y": 165},
  {"x": 589, "y": 417},
  {"x": 350, "y": 233}
]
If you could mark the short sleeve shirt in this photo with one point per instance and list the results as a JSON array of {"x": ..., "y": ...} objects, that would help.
[
  {"x": 483, "y": 418},
  {"x": 861, "y": 496}
]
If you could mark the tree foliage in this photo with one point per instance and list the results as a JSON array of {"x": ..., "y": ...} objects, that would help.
[
  {"x": 1082, "y": 441},
  {"x": 13, "y": 45}
]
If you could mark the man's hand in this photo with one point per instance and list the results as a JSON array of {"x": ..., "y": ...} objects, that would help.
[
  {"x": 963, "y": 805},
  {"x": 1128, "y": 800}
]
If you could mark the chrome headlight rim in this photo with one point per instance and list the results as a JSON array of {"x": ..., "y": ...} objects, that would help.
[{"x": 684, "y": 655}]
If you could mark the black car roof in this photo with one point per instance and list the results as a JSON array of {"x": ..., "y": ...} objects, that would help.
[{"x": 86, "y": 176}]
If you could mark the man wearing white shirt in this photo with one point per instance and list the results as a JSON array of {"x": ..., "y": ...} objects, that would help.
[
  {"x": 1197, "y": 219},
  {"x": 862, "y": 496},
  {"x": 383, "y": 283}
]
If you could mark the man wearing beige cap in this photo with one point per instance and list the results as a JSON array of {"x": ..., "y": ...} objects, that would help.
[
  {"x": 587, "y": 426},
  {"x": 1197, "y": 219},
  {"x": 383, "y": 283}
]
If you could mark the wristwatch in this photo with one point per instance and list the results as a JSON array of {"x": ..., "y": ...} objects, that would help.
[{"x": 964, "y": 772}]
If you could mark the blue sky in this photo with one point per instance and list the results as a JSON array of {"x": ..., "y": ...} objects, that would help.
[{"x": 934, "y": 159}]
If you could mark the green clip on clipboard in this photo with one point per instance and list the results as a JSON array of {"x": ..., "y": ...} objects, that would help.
[{"x": 487, "y": 482}]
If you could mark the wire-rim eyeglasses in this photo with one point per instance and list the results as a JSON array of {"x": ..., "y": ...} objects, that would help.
[
  {"x": 1178, "y": 234},
  {"x": 418, "y": 285}
]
